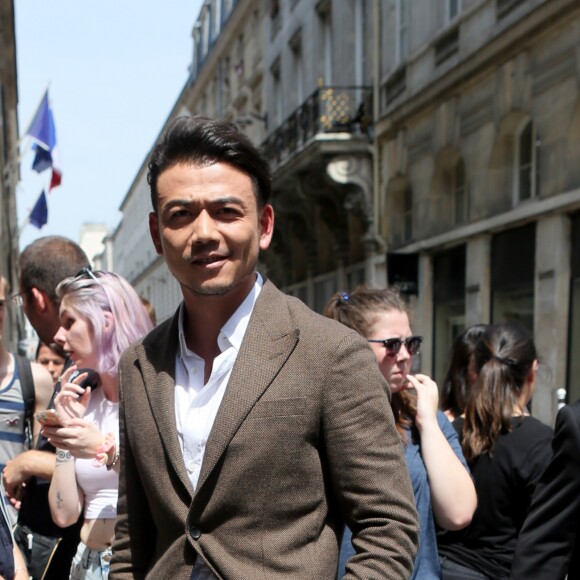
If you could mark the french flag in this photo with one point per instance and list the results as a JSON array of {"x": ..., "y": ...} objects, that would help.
[{"x": 43, "y": 132}]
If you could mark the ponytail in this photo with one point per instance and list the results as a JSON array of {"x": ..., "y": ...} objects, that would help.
[{"x": 503, "y": 357}]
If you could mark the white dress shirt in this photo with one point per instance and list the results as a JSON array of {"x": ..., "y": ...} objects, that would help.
[{"x": 196, "y": 404}]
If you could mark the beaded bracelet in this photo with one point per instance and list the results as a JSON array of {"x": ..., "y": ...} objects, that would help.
[{"x": 114, "y": 462}]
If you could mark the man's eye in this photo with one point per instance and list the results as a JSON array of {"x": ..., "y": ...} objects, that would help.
[
  {"x": 179, "y": 213},
  {"x": 229, "y": 211}
]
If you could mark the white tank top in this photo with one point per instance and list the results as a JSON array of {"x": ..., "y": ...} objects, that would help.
[{"x": 100, "y": 485}]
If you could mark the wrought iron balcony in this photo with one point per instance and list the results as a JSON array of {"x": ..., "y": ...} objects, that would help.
[{"x": 329, "y": 110}]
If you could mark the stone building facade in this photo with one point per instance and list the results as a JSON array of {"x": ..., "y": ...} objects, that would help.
[
  {"x": 9, "y": 168},
  {"x": 428, "y": 143},
  {"x": 319, "y": 103},
  {"x": 479, "y": 139}
]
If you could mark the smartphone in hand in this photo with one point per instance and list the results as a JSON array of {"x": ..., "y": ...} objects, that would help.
[
  {"x": 91, "y": 380},
  {"x": 49, "y": 418}
]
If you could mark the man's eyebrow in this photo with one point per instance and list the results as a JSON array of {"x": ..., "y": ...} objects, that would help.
[{"x": 189, "y": 202}]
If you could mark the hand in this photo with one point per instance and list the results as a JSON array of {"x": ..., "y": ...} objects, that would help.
[
  {"x": 427, "y": 399},
  {"x": 15, "y": 478},
  {"x": 80, "y": 437},
  {"x": 72, "y": 400}
]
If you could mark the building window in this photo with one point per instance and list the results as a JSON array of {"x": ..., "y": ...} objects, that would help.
[
  {"x": 453, "y": 9},
  {"x": 402, "y": 30},
  {"x": 408, "y": 215},
  {"x": 525, "y": 162},
  {"x": 277, "y": 92},
  {"x": 460, "y": 197},
  {"x": 295, "y": 44}
]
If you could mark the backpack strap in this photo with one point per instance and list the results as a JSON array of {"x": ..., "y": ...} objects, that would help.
[{"x": 27, "y": 386}]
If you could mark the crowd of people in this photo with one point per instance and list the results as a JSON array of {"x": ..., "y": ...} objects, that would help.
[{"x": 247, "y": 436}]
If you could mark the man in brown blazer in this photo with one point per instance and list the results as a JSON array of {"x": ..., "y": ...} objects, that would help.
[{"x": 252, "y": 429}]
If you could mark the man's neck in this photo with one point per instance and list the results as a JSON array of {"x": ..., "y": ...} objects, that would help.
[{"x": 205, "y": 316}]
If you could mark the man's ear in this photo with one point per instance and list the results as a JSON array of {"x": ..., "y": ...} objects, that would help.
[
  {"x": 154, "y": 230},
  {"x": 266, "y": 226},
  {"x": 39, "y": 300}
]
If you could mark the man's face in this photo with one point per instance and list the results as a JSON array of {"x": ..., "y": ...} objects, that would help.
[
  {"x": 51, "y": 360},
  {"x": 209, "y": 228},
  {"x": 46, "y": 323}
]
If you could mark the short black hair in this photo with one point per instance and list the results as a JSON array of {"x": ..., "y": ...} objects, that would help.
[
  {"x": 47, "y": 261},
  {"x": 205, "y": 141}
]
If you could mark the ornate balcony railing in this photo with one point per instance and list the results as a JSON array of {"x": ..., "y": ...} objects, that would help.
[{"x": 327, "y": 110}]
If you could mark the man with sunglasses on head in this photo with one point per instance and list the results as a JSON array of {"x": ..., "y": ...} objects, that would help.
[
  {"x": 251, "y": 428},
  {"x": 43, "y": 264}
]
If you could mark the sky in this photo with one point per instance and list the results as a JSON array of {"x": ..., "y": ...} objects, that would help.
[{"x": 114, "y": 71}]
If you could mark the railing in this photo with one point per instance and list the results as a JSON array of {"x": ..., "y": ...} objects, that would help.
[{"x": 327, "y": 110}]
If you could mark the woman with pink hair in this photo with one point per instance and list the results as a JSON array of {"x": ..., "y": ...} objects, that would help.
[{"x": 100, "y": 316}]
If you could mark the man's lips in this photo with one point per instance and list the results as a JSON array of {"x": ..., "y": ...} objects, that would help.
[{"x": 208, "y": 260}]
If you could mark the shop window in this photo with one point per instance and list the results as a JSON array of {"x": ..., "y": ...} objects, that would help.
[
  {"x": 573, "y": 383},
  {"x": 448, "y": 304},
  {"x": 512, "y": 276}
]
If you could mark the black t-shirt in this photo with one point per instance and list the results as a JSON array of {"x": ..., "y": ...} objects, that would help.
[{"x": 505, "y": 480}]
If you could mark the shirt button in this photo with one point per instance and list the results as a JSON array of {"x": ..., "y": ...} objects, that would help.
[
  {"x": 195, "y": 533},
  {"x": 191, "y": 466},
  {"x": 193, "y": 370}
]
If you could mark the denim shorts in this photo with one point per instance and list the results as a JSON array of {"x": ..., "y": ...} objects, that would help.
[{"x": 90, "y": 564}]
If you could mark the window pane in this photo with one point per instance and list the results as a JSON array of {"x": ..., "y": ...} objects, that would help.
[
  {"x": 460, "y": 194},
  {"x": 526, "y": 145},
  {"x": 453, "y": 8},
  {"x": 525, "y": 182},
  {"x": 408, "y": 215}
]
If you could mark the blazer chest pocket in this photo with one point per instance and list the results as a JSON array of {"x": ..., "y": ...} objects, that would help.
[{"x": 279, "y": 408}]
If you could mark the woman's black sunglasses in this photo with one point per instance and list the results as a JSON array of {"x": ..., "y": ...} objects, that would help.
[{"x": 393, "y": 345}]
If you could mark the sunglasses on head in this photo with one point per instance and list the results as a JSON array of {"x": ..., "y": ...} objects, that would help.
[
  {"x": 393, "y": 345},
  {"x": 87, "y": 272}
]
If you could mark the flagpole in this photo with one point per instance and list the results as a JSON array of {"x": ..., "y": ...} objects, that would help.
[{"x": 24, "y": 224}]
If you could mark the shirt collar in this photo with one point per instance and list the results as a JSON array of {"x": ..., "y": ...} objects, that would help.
[{"x": 233, "y": 331}]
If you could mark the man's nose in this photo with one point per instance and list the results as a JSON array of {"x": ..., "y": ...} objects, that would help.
[{"x": 204, "y": 228}]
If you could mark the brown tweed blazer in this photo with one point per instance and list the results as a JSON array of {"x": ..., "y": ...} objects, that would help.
[{"x": 304, "y": 440}]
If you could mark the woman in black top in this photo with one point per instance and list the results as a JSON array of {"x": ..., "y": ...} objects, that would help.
[
  {"x": 507, "y": 451},
  {"x": 461, "y": 374}
]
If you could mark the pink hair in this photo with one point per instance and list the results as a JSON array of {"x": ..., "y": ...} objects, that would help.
[{"x": 90, "y": 298}]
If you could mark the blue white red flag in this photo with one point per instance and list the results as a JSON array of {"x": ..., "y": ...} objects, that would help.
[
  {"x": 43, "y": 132},
  {"x": 39, "y": 214}
]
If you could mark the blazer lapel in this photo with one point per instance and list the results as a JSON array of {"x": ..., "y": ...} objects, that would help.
[
  {"x": 269, "y": 340},
  {"x": 158, "y": 367}
]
